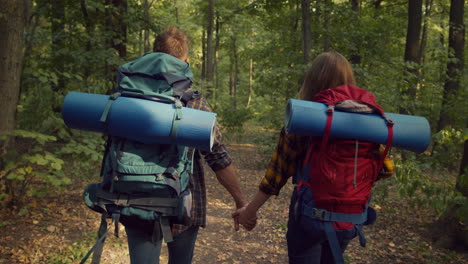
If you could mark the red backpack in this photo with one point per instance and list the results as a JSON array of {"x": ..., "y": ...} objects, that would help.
[{"x": 336, "y": 180}]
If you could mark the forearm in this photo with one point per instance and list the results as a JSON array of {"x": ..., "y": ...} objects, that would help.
[
  {"x": 259, "y": 199},
  {"x": 228, "y": 178}
]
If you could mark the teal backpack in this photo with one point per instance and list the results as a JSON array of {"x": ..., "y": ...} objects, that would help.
[{"x": 145, "y": 181}]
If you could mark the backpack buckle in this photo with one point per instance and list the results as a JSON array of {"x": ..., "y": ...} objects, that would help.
[{"x": 318, "y": 213}]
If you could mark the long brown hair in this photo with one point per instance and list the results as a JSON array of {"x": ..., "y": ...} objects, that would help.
[
  {"x": 328, "y": 70},
  {"x": 172, "y": 41}
]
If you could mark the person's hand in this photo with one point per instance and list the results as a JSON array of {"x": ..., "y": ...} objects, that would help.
[{"x": 245, "y": 217}]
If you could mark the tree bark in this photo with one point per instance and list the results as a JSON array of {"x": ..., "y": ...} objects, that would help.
[
  {"x": 453, "y": 233},
  {"x": 455, "y": 63},
  {"x": 249, "y": 98},
  {"x": 326, "y": 25},
  {"x": 12, "y": 25},
  {"x": 209, "y": 41},
  {"x": 462, "y": 180},
  {"x": 355, "y": 57},
  {"x": 116, "y": 24},
  {"x": 216, "y": 54},
  {"x": 412, "y": 51},
  {"x": 427, "y": 15},
  {"x": 306, "y": 31},
  {"x": 57, "y": 8}
]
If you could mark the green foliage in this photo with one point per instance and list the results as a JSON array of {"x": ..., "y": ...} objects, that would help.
[
  {"x": 448, "y": 148},
  {"x": 34, "y": 165},
  {"x": 425, "y": 186},
  {"x": 83, "y": 152},
  {"x": 75, "y": 252},
  {"x": 232, "y": 117}
]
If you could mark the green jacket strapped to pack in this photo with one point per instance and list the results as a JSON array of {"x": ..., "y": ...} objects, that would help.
[{"x": 143, "y": 180}]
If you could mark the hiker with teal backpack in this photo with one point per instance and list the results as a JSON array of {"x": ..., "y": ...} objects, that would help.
[
  {"x": 157, "y": 191},
  {"x": 333, "y": 178}
]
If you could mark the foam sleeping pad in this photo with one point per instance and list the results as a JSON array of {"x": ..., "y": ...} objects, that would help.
[
  {"x": 309, "y": 119},
  {"x": 145, "y": 121}
]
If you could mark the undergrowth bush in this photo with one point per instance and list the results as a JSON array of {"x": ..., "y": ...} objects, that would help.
[{"x": 30, "y": 168}]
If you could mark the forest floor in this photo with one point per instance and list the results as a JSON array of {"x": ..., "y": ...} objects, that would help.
[{"x": 60, "y": 229}]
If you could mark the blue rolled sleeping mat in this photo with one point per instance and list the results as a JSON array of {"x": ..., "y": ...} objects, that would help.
[
  {"x": 145, "y": 121},
  {"x": 309, "y": 119}
]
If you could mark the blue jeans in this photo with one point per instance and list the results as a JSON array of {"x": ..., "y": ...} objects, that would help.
[
  {"x": 308, "y": 247},
  {"x": 144, "y": 251}
]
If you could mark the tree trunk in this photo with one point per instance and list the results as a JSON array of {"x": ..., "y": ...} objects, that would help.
[
  {"x": 234, "y": 76},
  {"x": 427, "y": 15},
  {"x": 116, "y": 27},
  {"x": 146, "y": 30},
  {"x": 412, "y": 53},
  {"x": 176, "y": 12},
  {"x": 454, "y": 65},
  {"x": 57, "y": 11},
  {"x": 326, "y": 25},
  {"x": 249, "y": 98},
  {"x": 453, "y": 233},
  {"x": 306, "y": 30},
  {"x": 355, "y": 57},
  {"x": 462, "y": 180},
  {"x": 89, "y": 25},
  {"x": 377, "y": 3},
  {"x": 209, "y": 42},
  {"x": 203, "y": 58},
  {"x": 116, "y": 24},
  {"x": 216, "y": 54},
  {"x": 12, "y": 25}
]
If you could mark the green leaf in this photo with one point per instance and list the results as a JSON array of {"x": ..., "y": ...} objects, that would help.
[{"x": 12, "y": 176}]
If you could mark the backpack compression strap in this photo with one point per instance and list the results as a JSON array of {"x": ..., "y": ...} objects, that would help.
[{"x": 326, "y": 133}]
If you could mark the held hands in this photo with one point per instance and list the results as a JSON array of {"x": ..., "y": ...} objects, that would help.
[{"x": 246, "y": 217}]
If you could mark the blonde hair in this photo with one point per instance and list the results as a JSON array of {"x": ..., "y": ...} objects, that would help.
[
  {"x": 172, "y": 41},
  {"x": 328, "y": 70}
]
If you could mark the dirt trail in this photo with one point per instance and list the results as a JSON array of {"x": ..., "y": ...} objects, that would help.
[{"x": 51, "y": 229}]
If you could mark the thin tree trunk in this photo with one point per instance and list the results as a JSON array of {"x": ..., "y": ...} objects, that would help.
[
  {"x": 462, "y": 180},
  {"x": 249, "y": 99},
  {"x": 146, "y": 30},
  {"x": 355, "y": 57},
  {"x": 306, "y": 31},
  {"x": 89, "y": 25},
  {"x": 176, "y": 12},
  {"x": 326, "y": 25},
  {"x": 203, "y": 71},
  {"x": 412, "y": 53},
  {"x": 209, "y": 42},
  {"x": 216, "y": 53},
  {"x": 455, "y": 63},
  {"x": 378, "y": 3},
  {"x": 427, "y": 15},
  {"x": 57, "y": 8}
]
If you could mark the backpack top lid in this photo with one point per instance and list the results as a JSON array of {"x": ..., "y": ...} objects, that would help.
[
  {"x": 144, "y": 72},
  {"x": 345, "y": 92}
]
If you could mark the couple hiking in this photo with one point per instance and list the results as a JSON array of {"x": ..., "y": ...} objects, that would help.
[{"x": 333, "y": 178}]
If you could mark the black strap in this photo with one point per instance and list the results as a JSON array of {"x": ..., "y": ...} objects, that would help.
[
  {"x": 126, "y": 200},
  {"x": 99, "y": 245},
  {"x": 166, "y": 229}
]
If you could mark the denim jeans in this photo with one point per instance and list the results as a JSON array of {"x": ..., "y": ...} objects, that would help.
[
  {"x": 305, "y": 246},
  {"x": 144, "y": 251}
]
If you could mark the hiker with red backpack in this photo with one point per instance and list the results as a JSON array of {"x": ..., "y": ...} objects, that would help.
[{"x": 333, "y": 178}]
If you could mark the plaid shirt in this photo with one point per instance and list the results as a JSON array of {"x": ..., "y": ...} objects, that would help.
[
  {"x": 289, "y": 156},
  {"x": 286, "y": 159},
  {"x": 217, "y": 159}
]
